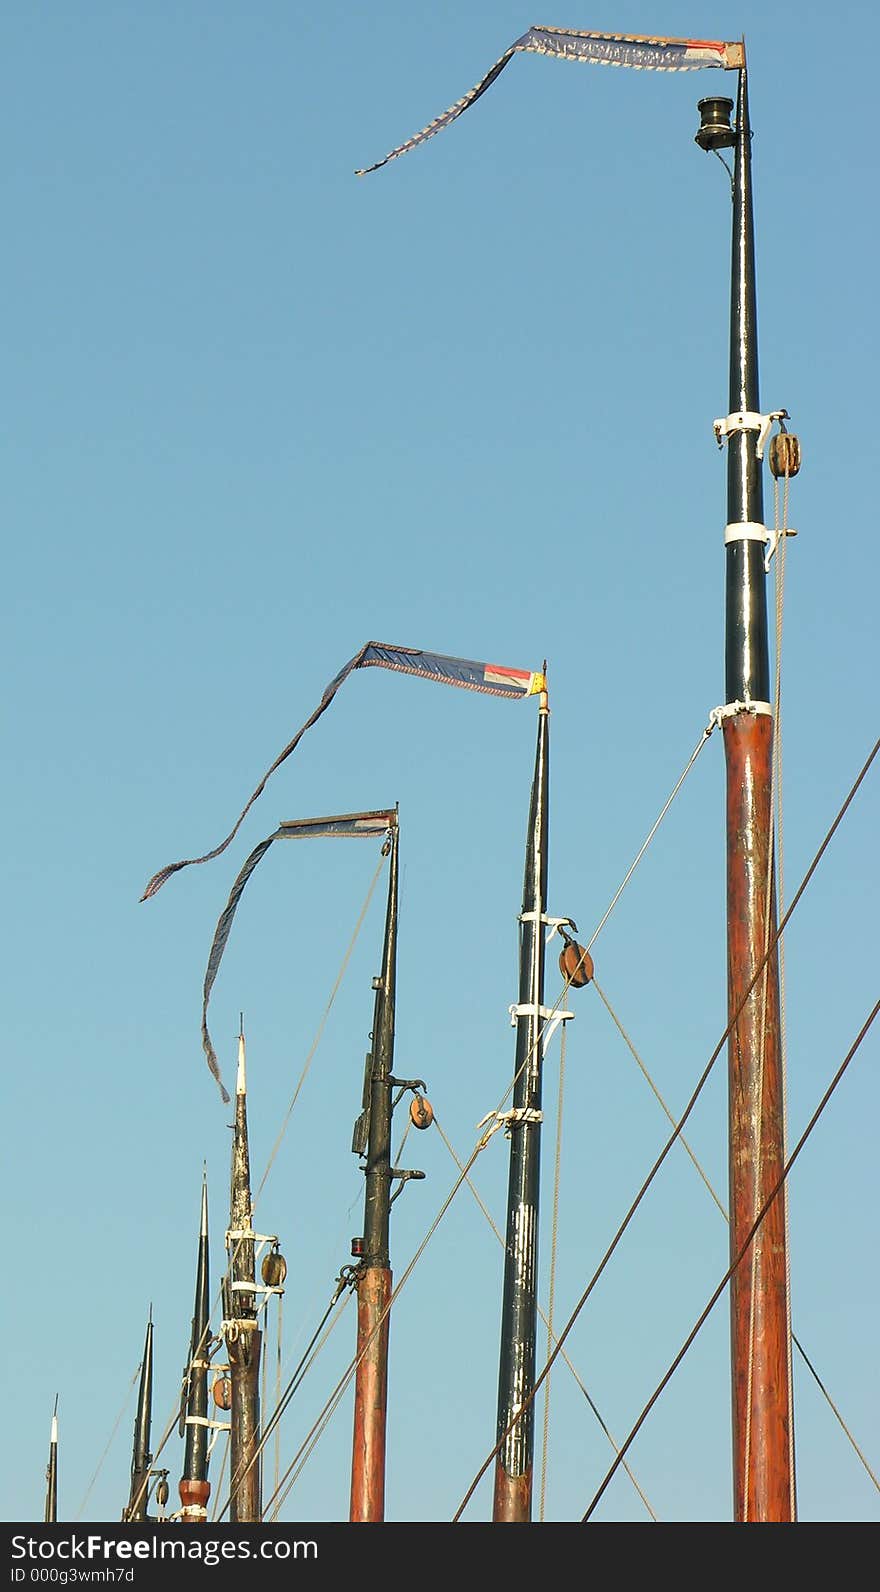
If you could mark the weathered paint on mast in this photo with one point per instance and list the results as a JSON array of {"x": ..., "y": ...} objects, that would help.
[
  {"x": 374, "y": 1276},
  {"x": 763, "y": 1467},
  {"x": 243, "y": 1338},
  {"x": 194, "y": 1487},
  {"x": 141, "y": 1457},
  {"x": 514, "y": 1463},
  {"x": 50, "y": 1513}
]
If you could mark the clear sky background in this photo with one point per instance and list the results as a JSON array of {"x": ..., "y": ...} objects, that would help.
[{"x": 259, "y": 411}]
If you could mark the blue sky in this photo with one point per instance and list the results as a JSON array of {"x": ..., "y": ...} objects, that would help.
[{"x": 258, "y": 411}]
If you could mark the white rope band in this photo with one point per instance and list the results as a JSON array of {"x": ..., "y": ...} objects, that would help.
[
  {"x": 731, "y": 709},
  {"x": 747, "y": 531}
]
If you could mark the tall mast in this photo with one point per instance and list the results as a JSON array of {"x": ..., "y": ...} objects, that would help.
[
  {"x": 763, "y": 1437},
  {"x": 194, "y": 1486},
  {"x": 50, "y": 1512},
  {"x": 242, "y": 1335},
  {"x": 373, "y": 1276},
  {"x": 141, "y": 1457},
  {"x": 516, "y": 1375}
]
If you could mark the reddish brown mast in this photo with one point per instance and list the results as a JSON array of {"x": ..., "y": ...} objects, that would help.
[{"x": 763, "y": 1431}]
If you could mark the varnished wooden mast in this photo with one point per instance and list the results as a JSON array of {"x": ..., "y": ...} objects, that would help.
[{"x": 763, "y": 1465}]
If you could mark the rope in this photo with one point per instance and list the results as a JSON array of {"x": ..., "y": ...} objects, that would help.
[
  {"x": 88, "y": 1490},
  {"x": 603, "y": 997},
  {"x": 775, "y": 809},
  {"x": 306, "y": 1361},
  {"x": 278, "y": 1364},
  {"x": 316, "y": 1041},
  {"x": 686, "y": 1113},
  {"x": 552, "y": 1283},
  {"x": 653, "y": 830},
  {"x": 732, "y": 1268},
  {"x": 777, "y": 747},
  {"x": 317, "y": 1429},
  {"x": 794, "y": 1338},
  {"x": 568, "y": 1362}
]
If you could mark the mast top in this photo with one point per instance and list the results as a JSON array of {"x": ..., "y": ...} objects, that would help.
[{"x": 241, "y": 1076}]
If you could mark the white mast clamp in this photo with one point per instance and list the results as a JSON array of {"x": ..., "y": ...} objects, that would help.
[
  {"x": 747, "y": 420},
  {"x": 554, "y": 924},
  {"x": 731, "y": 709},
  {"x": 552, "y": 1018},
  {"x": 204, "y": 1420},
  {"x": 507, "y": 1120},
  {"x": 751, "y": 531}
]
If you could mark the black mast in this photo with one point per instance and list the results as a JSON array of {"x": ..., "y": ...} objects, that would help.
[
  {"x": 50, "y": 1512},
  {"x": 141, "y": 1458},
  {"x": 242, "y": 1335},
  {"x": 194, "y": 1486},
  {"x": 516, "y": 1376}
]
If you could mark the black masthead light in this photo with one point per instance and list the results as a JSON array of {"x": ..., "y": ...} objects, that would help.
[{"x": 715, "y": 131}]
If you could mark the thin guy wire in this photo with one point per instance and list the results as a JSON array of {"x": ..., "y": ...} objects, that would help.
[
  {"x": 568, "y": 1362},
  {"x": 732, "y": 1268},
  {"x": 687, "y": 1111}
]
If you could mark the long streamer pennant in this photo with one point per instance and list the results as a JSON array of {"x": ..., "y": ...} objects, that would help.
[
  {"x": 344, "y": 826},
  {"x": 490, "y": 678},
  {"x": 603, "y": 49}
]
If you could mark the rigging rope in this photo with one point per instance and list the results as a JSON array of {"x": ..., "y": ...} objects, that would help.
[
  {"x": 488, "y": 1215},
  {"x": 317, "y": 1039},
  {"x": 554, "y": 1231},
  {"x": 795, "y": 1341},
  {"x": 88, "y": 1490},
  {"x": 653, "y": 830},
  {"x": 306, "y": 1448},
  {"x": 218, "y": 1296},
  {"x": 773, "y": 862},
  {"x": 744, "y": 1247},
  {"x": 686, "y": 1113},
  {"x": 781, "y": 541}
]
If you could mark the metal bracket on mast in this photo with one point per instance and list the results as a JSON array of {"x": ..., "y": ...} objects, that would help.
[
  {"x": 751, "y": 531},
  {"x": 508, "y": 1120},
  {"x": 731, "y": 709},
  {"x": 747, "y": 420},
  {"x": 555, "y": 925},
  {"x": 552, "y": 1017}
]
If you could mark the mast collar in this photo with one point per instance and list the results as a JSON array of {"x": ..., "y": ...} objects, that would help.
[{"x": 747, "y": 420}]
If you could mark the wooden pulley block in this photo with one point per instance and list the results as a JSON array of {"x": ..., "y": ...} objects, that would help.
[
  {"x": 222, "y": 1392},
  {"x": 784, "y": 456},
  {"x": 273, "y": 1269},
  {"x": 421, "y": 1112},
  {"x": 575, "y": 964}
]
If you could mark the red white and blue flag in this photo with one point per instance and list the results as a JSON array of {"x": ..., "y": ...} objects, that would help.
[
  {"x": 341, "y": 826},
  {"x": 644, "y": 53},
  {"x": 492, "y": 679}
]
